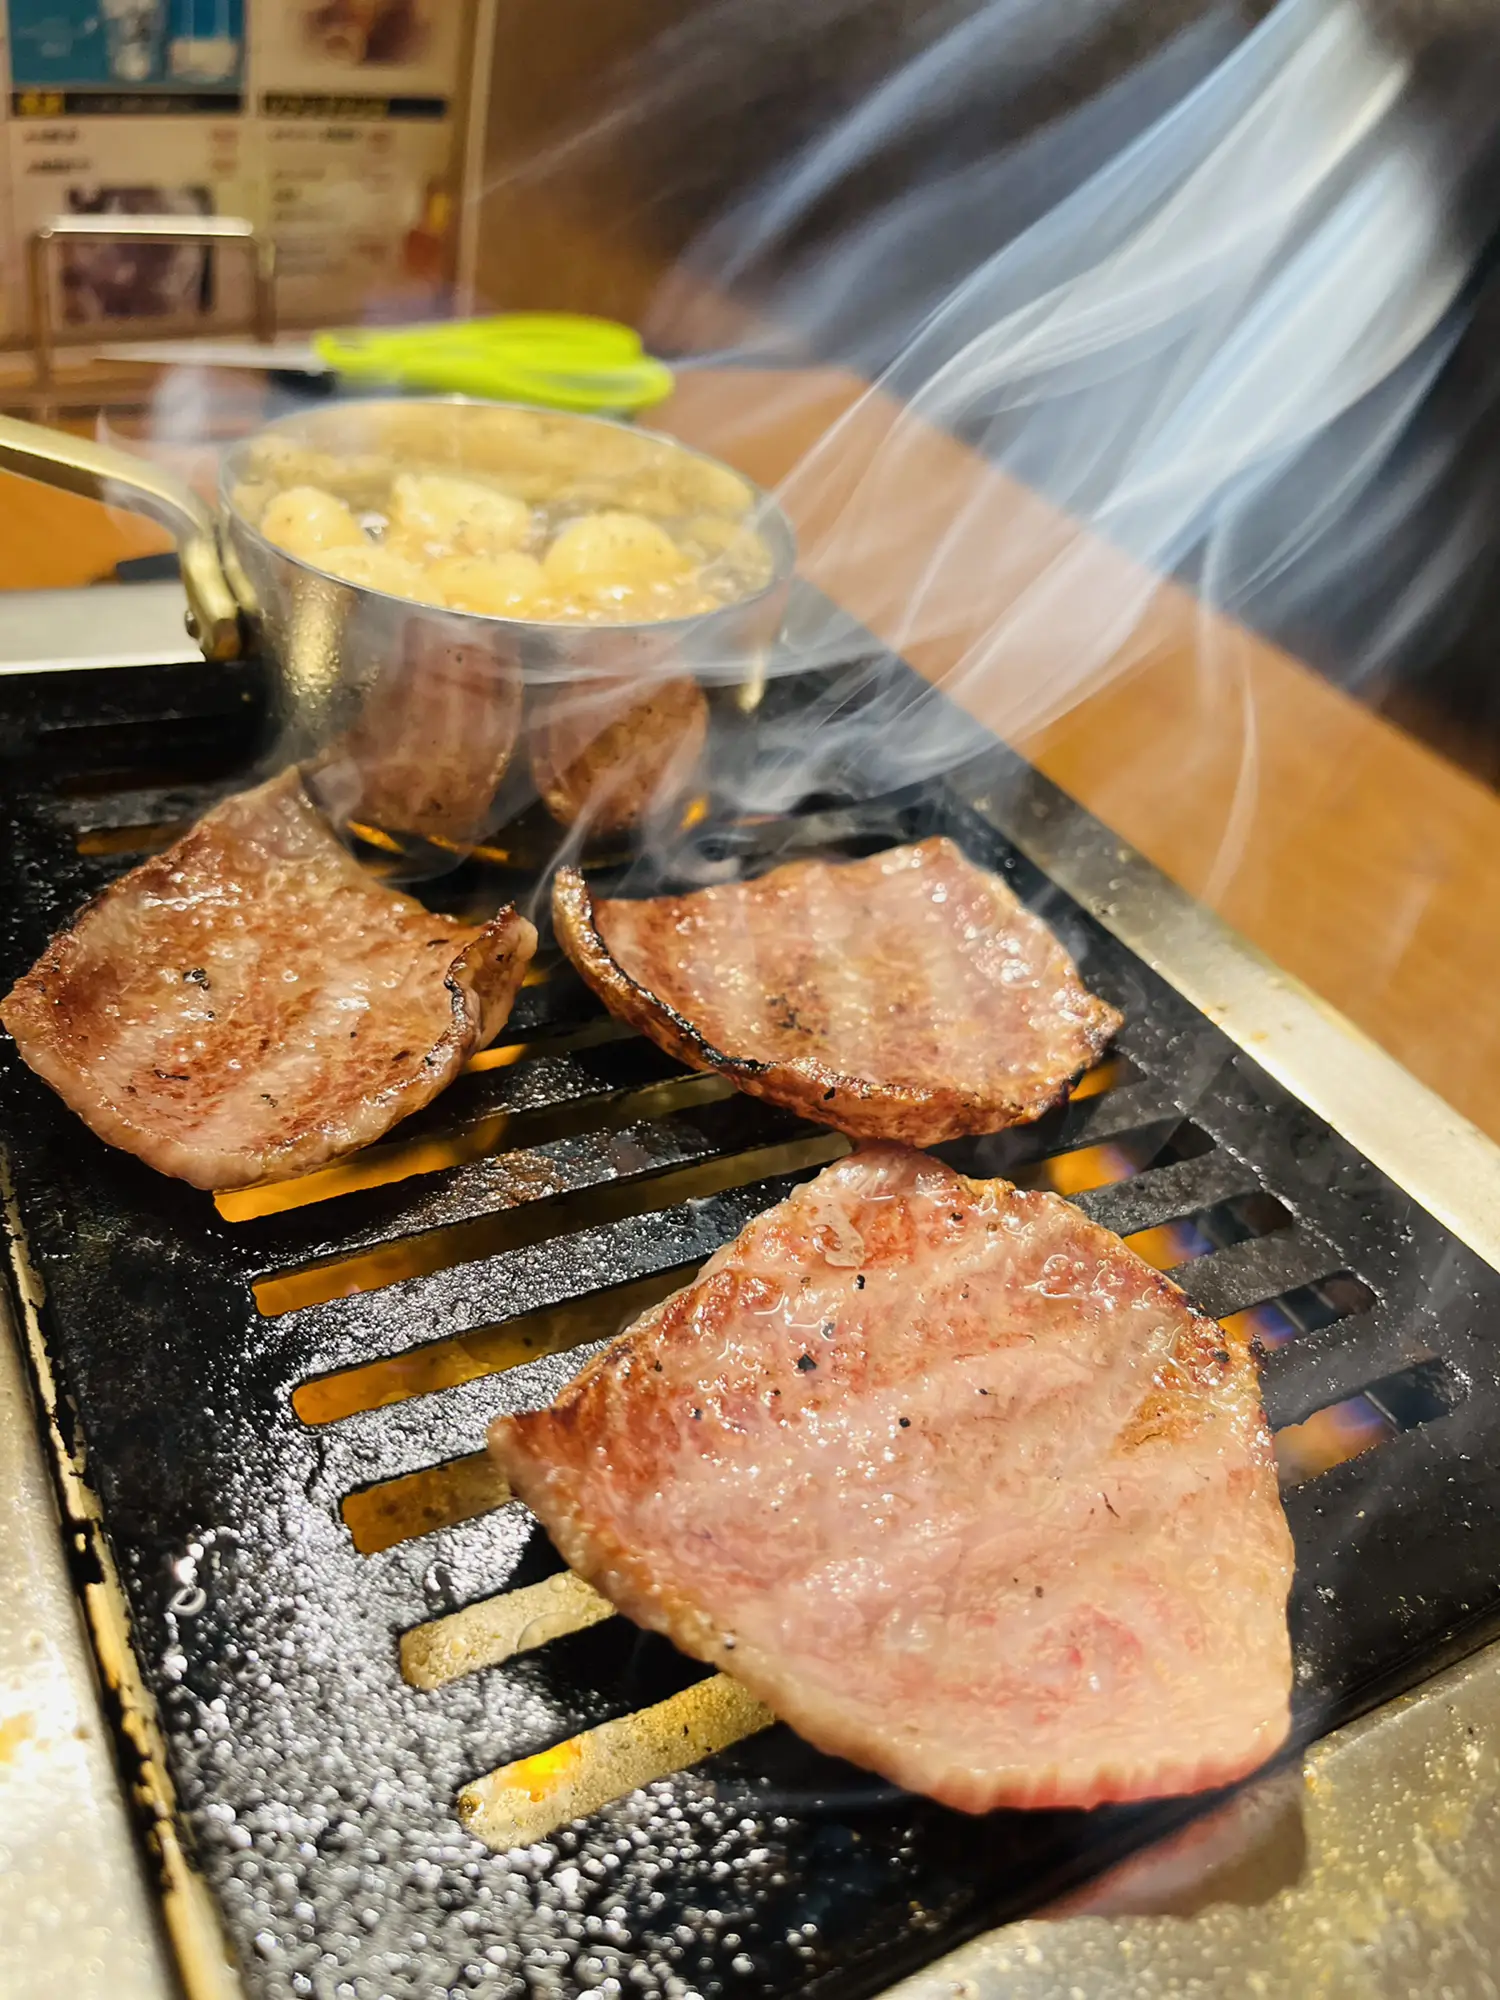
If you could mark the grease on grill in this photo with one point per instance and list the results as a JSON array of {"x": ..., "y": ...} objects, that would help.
[{"x": 522, "y": 1803}]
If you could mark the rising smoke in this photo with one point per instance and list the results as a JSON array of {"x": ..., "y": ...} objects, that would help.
[
  {"x": 1209, "y": 353},
  {"x": 1189, "y": 281}
]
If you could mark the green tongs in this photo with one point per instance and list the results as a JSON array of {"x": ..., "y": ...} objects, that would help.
[{"x": 568, "y": 361}]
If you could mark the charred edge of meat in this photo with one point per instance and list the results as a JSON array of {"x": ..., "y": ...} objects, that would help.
[{"x": 579, "y": 936}]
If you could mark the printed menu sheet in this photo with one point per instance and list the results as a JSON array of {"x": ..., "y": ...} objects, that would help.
[
  {"x": 359, "y": 204},
  {"x": 87, "y": 163}
]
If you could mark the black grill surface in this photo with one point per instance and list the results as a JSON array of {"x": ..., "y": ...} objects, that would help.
[{"x": 318, "y": 1789}]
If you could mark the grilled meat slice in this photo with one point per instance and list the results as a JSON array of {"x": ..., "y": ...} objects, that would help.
[
  {"x": 908, "y": 996},
  {"x": 606, "y": 753},
  {"x": 251, "y": 1003},
  {"x": 431, "y": 744},
  {"x": 952, "y": 1480}
]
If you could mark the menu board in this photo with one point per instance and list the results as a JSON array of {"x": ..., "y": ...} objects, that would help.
[{"x": 329, "y": 123}]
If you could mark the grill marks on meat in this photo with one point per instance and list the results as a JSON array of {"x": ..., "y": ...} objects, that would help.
[
  {"x": 952, "y": 1480},
  {"x": 250, "y": 1003},
  {"x": 908, "y": 996}
]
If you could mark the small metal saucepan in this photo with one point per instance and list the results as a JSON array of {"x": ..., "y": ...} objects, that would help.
[{"x": 406, "y": 714}]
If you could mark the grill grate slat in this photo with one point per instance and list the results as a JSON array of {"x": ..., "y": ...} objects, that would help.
[
  {"x": 541, "y": 1209},
  {"x": 1118, "y": 1114},
  {"x": 145, "y": 807},
  {"x": 419, "y": 1503},
  {"x": 449, "y": 1364},
  {"x": 228, "y": 1445},
  {"x": 1339, "y": 1361},
  {"x": 1246, "y": 1274},
  {"x": 492, "y": 1291},
  {"x": 1163, "y": 1194},
  {"x": 556, "y": 1104},
  {"x": 601, "y": 1152},
  {"x": 498, "y": 1628}
]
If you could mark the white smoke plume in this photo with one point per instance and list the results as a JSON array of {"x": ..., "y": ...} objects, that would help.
[
  {"x": 1207, "y": 353},
  {"x": 1184, "y": 280}
]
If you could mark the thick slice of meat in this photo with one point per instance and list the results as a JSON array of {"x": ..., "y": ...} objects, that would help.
[
  {"x": 954, "y": 1482},
  {"x": 609, "y": 752},
  {"x": 251, "y": 1003},
  {"x": 432, "y": 741},
  {"x": 909, "y": 996}
]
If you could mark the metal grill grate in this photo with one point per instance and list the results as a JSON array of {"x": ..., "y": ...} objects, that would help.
[{"x": 346, "y": 1630}]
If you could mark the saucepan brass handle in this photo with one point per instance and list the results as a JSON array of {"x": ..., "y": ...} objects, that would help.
[{"x": 99, "y": 472}]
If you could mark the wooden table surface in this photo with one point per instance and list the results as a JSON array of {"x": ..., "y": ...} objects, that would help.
[{"x": 1351, "y": 854}]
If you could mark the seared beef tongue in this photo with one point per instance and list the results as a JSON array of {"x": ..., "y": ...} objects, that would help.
[
  {"x": 431, "y": 744},
  {"x": 907, "y": 996},
  {"x": 953, "y": 1481},
  {"x": 610, "y": 752},
  {"x": 251, "y": 1003}
]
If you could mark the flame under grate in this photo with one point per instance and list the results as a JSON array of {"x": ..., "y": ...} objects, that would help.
[{"x": 383, "y": 1698}]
